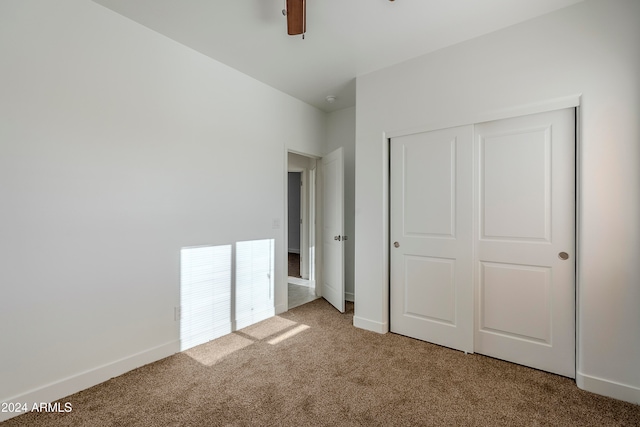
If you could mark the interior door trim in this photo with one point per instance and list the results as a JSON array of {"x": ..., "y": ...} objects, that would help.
[{"x": 570, "y": 101}]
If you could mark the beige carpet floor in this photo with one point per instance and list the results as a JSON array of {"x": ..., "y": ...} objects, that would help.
[{"x": 311, "y": 367}]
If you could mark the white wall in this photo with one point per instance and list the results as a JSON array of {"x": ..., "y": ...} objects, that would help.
[
  {"x": 116, "y": 149},
  {"x": 297, "y": 162},
  {"x": 341, "y": 132},
  {"x": 592, "y": 49}
]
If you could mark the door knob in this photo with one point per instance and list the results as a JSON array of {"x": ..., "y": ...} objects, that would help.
[
  {"x": 396, "y": 244},
  {"x": 563, "y": 256},
  {"x": 338, "y": 238}
]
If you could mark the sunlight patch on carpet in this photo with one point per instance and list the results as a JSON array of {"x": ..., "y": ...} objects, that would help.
[
  {"x": 268, "y": 327},
  {"x": 276, "y": 328},
  {"x": 212, "y": 352},
  {"x": 288, "y": 334}
]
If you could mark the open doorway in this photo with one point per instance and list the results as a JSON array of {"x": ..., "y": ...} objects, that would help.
[
  {"x": 301, "y": 196},
  {"x": 294, "y": 227}
]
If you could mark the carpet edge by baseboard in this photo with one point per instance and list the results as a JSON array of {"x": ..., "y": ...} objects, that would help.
[
  {"x": 608, "y": 388},
  {"x": 89, "y": 378}
]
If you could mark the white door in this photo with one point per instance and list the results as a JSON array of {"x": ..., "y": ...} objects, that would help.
[
  {"x": 525, "y": 254},
  {"x": 333, "y": 228},
  {"x": 431, "y": 237}
]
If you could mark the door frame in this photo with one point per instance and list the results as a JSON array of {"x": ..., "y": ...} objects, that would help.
[
  {"x": 303, "y": 225},
  {"x": 311, "y": 231},
  {"x": 572, "y": 101}
]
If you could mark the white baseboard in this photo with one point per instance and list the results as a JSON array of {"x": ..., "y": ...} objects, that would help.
[
  {"x": 370, "y": 325},
  {"x": 349, "y": 296},
  {"x": 281, "y": 308},
  {"x": 83, "y": 380},
  {"x": 608, "y": 388}
]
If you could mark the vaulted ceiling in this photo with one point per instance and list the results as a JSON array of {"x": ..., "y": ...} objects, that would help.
[{"x": 344, "y": 39}]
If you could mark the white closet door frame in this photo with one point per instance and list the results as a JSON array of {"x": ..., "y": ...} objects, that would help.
[{"x": 571, "y": 101}]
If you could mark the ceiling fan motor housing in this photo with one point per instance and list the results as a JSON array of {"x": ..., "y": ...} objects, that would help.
[{"x": 296, "y": 17}]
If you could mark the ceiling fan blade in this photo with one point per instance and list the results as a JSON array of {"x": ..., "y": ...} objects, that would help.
[{"x": 296, "y": 17}]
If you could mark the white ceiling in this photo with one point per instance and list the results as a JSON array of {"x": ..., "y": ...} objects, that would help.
[{"x": 345, "y": 38}]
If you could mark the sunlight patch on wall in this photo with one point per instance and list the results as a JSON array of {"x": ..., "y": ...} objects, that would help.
[
  {"x": 254, "y": 282},
  {"x": 205, "y": 294},
  {"x": 224, "y": 288}
]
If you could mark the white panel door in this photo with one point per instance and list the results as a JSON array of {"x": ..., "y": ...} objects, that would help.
[
  {"x": 333, "y": 228},
  {"x": 431, "y": 237},
  {"x": 525, "y": 255}
]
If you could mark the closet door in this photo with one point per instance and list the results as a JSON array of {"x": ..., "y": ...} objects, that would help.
[
  {"x": 525, "y": 234},
  {"x": 431, "y": 237}
]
